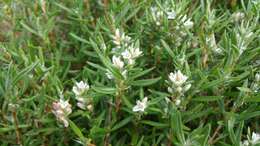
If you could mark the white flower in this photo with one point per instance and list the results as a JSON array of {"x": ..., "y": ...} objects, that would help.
[
  {"x": 237, "y": 16},
  {"x": 120, "y": 38},
  {"x": 167, "y": 100},
  {"x": 117, "y": 37},
  {"x": 179, "y": 89},
  {"x": 211, "y": 42},
  {"x": 117, "y": 62},
  {"x": 81, "y": 105},
  {"x": 244, "y": 143},
  {"x": 170, "y": 90},
  {"x": 178, "y": 78},
  {"x": 218, "y": 50},
  {"x": 177, "y": 102},
  {"x": 156, "y": 15},
  {"x": 131, "y": 54},
  {"x": 255, "y": 138},
  {"x": 187, "y": 22},
  {"x": 135, "y": 52},
  {"x": 80, "y": 88},
  {"x": 61, "y": 110},
  {"x": 90, "y": 107},
  {"x": 125, "y": 39},
  {"x": 171, "y": 15},
  {"x": 140, "y": 105},
  {"x": 81, "y": 102}
]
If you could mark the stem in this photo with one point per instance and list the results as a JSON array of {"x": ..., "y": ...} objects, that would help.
[
  {"x": 17, "y": 129},
  {"x": 106, "y": 3},
  {"x": 119, "y": 94},
  {"x": 212, "y": 139},
  {"x": 106, "y": 140},
  {"x": 170, "y": 138}
]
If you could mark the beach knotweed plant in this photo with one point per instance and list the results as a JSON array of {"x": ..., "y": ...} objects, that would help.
[{"x": 130, "y": 72}]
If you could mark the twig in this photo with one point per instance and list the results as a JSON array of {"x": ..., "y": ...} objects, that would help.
[
  {"x": 212, "y": 139},
  {"x": 17, "y": 129},
  {"x": 106, "y": 3}
]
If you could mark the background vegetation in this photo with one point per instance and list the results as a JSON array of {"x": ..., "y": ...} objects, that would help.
[{"x": 48, "y": 45}]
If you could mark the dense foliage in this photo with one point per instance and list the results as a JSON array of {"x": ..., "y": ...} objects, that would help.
[{"x": 129, "y": 72}]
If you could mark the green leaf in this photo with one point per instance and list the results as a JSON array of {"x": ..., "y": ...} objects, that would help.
[
  {"x": 122, "y": 123},
  {"x": 24, "y": 72},
  {"x": 30, "y": 29},
  {"x": 176, "y": 125},
  {"x": 213, "y": 84},
  {"x": 76, "y": 130},
  {"x": 126, "y": 101},
  {"x": 198, "y": 115},
  {"x": 231, "y": 131},
  {"x": 244, "y": 89},
  {"x": 206, "y": 135},
  {"x": 104, "y": 90},
  {"x": 246, "y": 116},
  {"x": 140, "y": 141},
  {"x": 207, "y": 98},
  {"x": 139, "y": 74},
  {"x": 78, "y": 38},
  {"x": 97, "y": 66},
  {"x": 253, "y": 99},
  {"x": 145, "y": 82},
  {"x": 167, "y": 48},
  {"x": 12, "y": 128},
  {"x": 155, "y": 124},
  {"x": 64, "y": 8}
]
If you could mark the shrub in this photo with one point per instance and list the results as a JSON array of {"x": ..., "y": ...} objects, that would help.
[{"x": 130, "y": 72}]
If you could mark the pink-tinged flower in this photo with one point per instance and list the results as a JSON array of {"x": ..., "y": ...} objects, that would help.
[
  {"x": 61, "y": 109},
  {"x": 178, "y": 78}
]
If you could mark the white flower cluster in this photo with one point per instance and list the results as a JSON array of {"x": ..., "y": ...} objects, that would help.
[
  {"x": 120, "y": 39},
  {"x": 61, "y": 109},
  {"x": 178, "y": 86},
  {"x": 211, "y": 43},
  {"x": 157, "y": 15},
  {"x": 255, "y": 139},
  {"x": 79, "y": 89},
  {"x": 140, "y": 105},
  {"x": 126, "y": 55},
  {"x": 186, "y": 22},
  {"x": 131, "y": 53},
  {"x": 243, "y": 37},
  {"x": 172, "y": 12},
  {"x": 183, "y": 25},
  {"x": 237, "y": 16}
]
